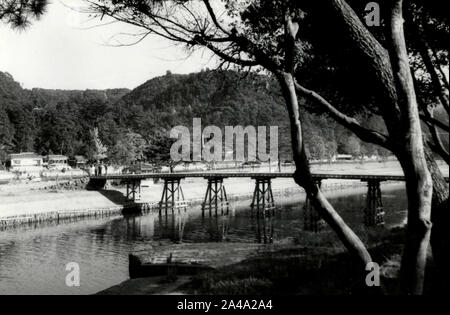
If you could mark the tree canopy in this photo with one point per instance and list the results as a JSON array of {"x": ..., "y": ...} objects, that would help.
[{"x": 20, "y": 13}]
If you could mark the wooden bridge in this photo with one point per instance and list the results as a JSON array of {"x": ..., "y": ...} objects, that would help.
[
  {"x": 321, "y": 176},
  {"x": 263, "y": 200}
]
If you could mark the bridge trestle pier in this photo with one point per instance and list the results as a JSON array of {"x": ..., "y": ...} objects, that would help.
[
  {"x": 262, "y": 195},
  {"x": 312, "y": 220},
  {"x": 133, "y": 189},
  {"x": 172, "y": 195},
  {"x": 374, "y": 212},
  {"x": 216, "y": 194}
]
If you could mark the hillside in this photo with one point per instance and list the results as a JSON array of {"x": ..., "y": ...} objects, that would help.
[
  {"x": 219, "y": 98},
  {"x": 11, "y": 93},
  {"x": 134, "y": 124}
]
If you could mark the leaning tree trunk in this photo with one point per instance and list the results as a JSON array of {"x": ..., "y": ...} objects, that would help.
[
  {"x": 410, "y": 152},
  {"x": 440, "y": 233},
  {"x": 304, "y": 178}
]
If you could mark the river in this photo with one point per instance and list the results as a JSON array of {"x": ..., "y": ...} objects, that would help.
[{"x": 33, "y": 259}]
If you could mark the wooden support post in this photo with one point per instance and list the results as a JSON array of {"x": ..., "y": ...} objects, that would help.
[
  {"x": 311, "y": 218},
  {"x": 374, "y": 212},
  {"x": 172, "y": 195},
  {"x": 133, "y": 190},
  {"x": 215, "y": 193},
  {"x": 263, "y": 195}
]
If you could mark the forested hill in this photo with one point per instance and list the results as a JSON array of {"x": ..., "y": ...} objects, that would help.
[
  {"x": 134, "y": 124},
  {"x": 219, "y": 98},
  {"x": 11, "y": 93}
]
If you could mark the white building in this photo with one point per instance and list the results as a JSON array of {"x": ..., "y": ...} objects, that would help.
[
  {"x": 26, "y": 162},
  {"x": 57, "y": 162}
]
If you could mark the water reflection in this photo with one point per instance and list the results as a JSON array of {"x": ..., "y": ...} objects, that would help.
[
  {"x": 265, "y": 228},
  {"x": 172, "y": 225},
  {"x": 212, "y": 226}
]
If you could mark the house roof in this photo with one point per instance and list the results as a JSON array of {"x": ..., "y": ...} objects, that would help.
[
  {"x": 25, "y": 156},
  {"x": 57, "y": 157}
]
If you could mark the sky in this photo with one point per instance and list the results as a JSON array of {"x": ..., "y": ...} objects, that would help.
[{"x": 64, "y": 51}]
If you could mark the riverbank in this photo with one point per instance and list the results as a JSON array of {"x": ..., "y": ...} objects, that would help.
[
  {"x": 259, "y": 269},
  {"x": 29, "y": 204}
]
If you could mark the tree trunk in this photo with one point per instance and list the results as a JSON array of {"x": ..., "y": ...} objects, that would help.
[
  {"x": 440, "y": 233},
  {"x": 419, "y": 191},
  {"x": 419, "y": 187},
  {"x": 304, "y": 178}
]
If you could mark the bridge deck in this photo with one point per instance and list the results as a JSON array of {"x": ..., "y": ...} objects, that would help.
[{"x": 362, "y": 177}]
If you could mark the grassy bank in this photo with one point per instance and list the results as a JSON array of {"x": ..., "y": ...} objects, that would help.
[
  {"x": 293, "y": 270},
  {"x": 317, "y": 268},
  {"x": 313, "y": 271}
]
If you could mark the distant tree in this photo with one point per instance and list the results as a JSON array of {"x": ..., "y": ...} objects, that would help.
[
  {"x": 352, "y": 146},
  {"x": 109, "y": 130},
  {"x": 58, "y": 130},
  {"x": 24, "y": 126},
  {"x": 19, "y": 13},
  {"x": 331, "y": 149},
  {"x": 316, "y": 147},
  {"x": 129, "y": 149},
  {"x": 99, "y": 151},
  {"x": 158, "y": 149},
  {"x": 6, "y": 130}
]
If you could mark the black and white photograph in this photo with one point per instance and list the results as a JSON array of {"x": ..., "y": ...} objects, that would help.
[{"x": 224, "y": 153}]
